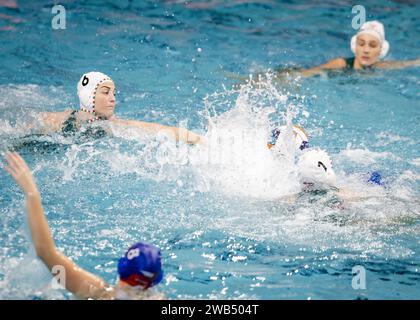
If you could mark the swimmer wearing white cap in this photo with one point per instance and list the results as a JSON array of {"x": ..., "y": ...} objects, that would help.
[
  {"x": 315, "y": 170},
  {"x": 316, "y": 173},
  {"x": 369, "y": 47},
  {"x": 96, "y": 93}
]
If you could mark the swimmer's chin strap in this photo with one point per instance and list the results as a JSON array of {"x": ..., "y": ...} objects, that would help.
[
  {"x": 140, "y": 280},
  {"x": 96, "y": 117}
]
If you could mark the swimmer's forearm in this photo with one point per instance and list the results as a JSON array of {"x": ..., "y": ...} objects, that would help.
[
  {"x": 337, "y": 63},
  {"x": 153, "y": 128},
  {"x": 41, "y": 234},
  {"x": 180, "y": 134},
  {"x": 399, "y": 64},
  {"x": 310, "y": 72}
]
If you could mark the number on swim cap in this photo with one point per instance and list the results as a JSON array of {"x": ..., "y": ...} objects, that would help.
[
  {"x": 85, "y": 81},
  {"x": 323, "y": 165},
  {"x": 133, "y": 253}
]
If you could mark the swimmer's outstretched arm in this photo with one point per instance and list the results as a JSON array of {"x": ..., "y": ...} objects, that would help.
[
  {"x": 398, "y": 64},
  {"x": 78, "y": 281},
  {"x": 337, "y": 63},
  {"x": 180, "y": 134}
]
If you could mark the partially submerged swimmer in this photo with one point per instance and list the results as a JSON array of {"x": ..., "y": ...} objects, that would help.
[
  {"x": 316, "y": 173},
  {"x": 96, "y": 93},
  {"x": 314, "y": 166},
  {"x": 369, "y": 47},
  {"x": 139, "y": 269}
]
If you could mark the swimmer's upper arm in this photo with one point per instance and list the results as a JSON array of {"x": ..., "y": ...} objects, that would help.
[
  {"x": 337, "y": 63},
  {"x": 53, "y": 121},
  {"x": 80, "y": 282}
]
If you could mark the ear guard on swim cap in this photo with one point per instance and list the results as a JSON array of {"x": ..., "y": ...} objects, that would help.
[
  {"x": 141, "y": 266},
  {"x": 300, "y": 136},
  {"x": 86, "y": 89}
]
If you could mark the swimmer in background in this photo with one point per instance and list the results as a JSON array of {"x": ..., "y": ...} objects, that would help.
[
  {"x": 139, "y": 269},
  {"x": 369, "y": 47},
  {"x": 96, "y": 93}
]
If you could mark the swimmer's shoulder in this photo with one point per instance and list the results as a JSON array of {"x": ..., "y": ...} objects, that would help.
[
  {"x": 54, "y": 120},
  {"x": 336, "y": 63},
  {"x": 56, "y": 116}
]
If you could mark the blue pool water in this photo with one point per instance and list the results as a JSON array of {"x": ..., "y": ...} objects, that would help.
[{"x": 224, "y": 230}]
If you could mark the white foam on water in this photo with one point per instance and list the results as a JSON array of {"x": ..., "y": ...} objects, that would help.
[
  {"x": 365, "y": 156},
  {"x": 415, "y": 162},
  {"x": 30, "y": 96},
  {"x": 236, "y": 158},
  {"x": 386, "y": 138}
]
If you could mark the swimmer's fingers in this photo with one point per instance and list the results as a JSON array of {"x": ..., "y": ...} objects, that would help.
[
  {"x": 11, "y": 164},
  {"x": 11, "y": 172},
  {"x": 20, "y": 162},
  {"x": 19, "y": 170},
  {"x": 16, "y": 163}
]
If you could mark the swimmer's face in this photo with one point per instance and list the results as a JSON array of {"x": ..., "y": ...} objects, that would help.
[
  {"x": 105, "y": 99},
  {"x": 368, "y": 49}
]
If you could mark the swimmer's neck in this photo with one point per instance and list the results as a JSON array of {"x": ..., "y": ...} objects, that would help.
[
  {"x": 83, "y": 116},
  {"x": 358, "y": 66}
]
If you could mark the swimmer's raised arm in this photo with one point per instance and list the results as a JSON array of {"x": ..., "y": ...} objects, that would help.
[
  {"x": 78, "y": 281},
  {"x": 180, "y": 134}
]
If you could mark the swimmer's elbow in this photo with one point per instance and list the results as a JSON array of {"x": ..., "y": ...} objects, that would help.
[{"x": 46, "y": 252}]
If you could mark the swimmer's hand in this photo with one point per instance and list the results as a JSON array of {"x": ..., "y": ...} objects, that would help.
[
  {"x": 190, "y": 137},
  {"x": 21, "y": 173}
]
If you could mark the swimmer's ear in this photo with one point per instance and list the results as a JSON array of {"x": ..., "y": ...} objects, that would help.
[{"x": 323, "y": 165}]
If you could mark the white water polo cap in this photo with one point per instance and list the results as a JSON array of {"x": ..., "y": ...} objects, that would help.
[
  {"x": 300, "y": 137},
  {"x": 315, "y": 168},
  {"x": 376, "y": 29},
  {"x": 86, "y": 89}
]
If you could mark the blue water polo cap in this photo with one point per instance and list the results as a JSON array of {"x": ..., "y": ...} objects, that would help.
[
  {"x": 141, "y": 265},
  {"x": 375, "y": 178}
]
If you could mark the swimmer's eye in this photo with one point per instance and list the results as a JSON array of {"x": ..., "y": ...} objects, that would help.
[
  {"x": 373, "y": 44},
  {"x": 361, "y": 43},
  {"x": 323, "y": 165},
  {"x": 106, "y": 92}
]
